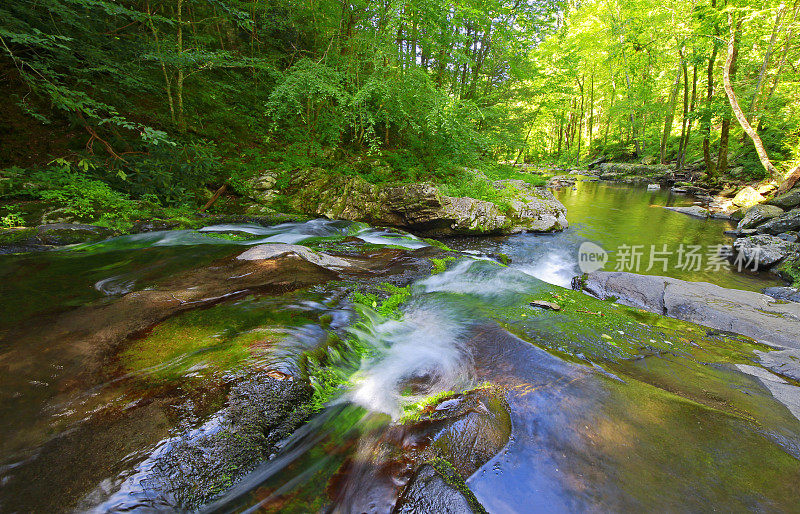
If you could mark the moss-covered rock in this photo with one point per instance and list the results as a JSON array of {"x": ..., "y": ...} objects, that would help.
[{"x": 422, "y": 208}]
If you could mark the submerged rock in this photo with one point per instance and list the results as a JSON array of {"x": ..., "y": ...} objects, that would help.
[
  {"x": 461, "y": 431},
  {"x": 744, "y": 312},
  {"x": 277, "y": 250},
  {"x": 420, "y": 207}
]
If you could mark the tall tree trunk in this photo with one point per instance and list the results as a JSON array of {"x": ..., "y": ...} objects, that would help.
[
  {"x": 730, "y": 71},
  {"x": 580, "y": 125},
  {"x": 685, "y": 109},
  {"x": 591, "y": 115},
  {"x": 727, "y": 80},
  {"x": 634, "y": 135},
  {"x": 180, "y": 78}
]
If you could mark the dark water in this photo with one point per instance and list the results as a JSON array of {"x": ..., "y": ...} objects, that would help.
[
  {"x": 617, "y": 215},
  {"x": 612, "y": 409}
]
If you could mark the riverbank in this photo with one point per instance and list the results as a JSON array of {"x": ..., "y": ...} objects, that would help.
[{"x": 481, "y": 205}]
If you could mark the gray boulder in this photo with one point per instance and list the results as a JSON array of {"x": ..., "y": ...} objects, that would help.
[
  {"x": 783, "y": 223},
  {"x": 765, "y": 249},
  {"x": 786, "y": 294},
  {"x": 748, "y": 313},
  {"x": 758, "y": 214},
  {"x": 784, "y": 362},
  {"x": 788, "y": 200}
]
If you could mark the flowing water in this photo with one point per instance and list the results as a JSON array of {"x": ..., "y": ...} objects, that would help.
[
  {"x": 610, "y": 408},
  {"x": 616, "y": 216}
]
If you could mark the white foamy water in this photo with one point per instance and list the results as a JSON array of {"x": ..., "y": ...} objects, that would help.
[
  {"x": 556, "y": 267},
  {"x": 420, "y": 355}
]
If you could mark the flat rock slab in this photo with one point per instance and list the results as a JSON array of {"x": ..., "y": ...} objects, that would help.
[
  {"x": 784, "y": 362},
  {"x": 693, "y": 210},
  {"x": 276, "y": 250},
  {"x": 744, "y": 312}
]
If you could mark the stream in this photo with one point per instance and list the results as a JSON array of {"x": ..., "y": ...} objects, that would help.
[{"x": 128, "y": 366}]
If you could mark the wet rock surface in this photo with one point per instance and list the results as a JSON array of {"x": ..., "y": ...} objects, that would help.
[
  {"x": 437, "y": 490},
  {"x": 460, "y": 431},
  {"x": 787, "y": 294},
  {"x": 752, "y": 314},
  {"x": 261, "y": 412}
]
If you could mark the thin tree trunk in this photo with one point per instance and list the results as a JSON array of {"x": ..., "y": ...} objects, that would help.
[
  {"x": 692, "y": 107},
  {"x": 753, "y": 109},
  {"x": 669, "y": 117},
  {"x": 737, "y": 111}
]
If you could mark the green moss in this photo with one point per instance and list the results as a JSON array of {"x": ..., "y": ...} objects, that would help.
[
  {"x": 438, "y": 244},
  {"x": 220, "y": 338},
  {"x": 455, "y": 480},
  {"x": 440, "y": 265},
  {"x": 388, "y": 305},
  {"x": 232, "y": 236},
  {"x": 17, "y": 235}
]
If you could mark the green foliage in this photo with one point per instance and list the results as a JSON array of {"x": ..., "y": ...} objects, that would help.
[{"x": 12, "y": 219}]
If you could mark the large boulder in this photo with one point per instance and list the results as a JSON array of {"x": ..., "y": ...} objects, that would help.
[
  {"x": 758, "y": 214},
  {"x": 783, "y": 223},
  {"x": 420, "y": 207},
  {"x": 744, "y": 312},
  {"x": 747, "y": 197},
  {"x": 788, "y": 200},
  {"x": 763, "y": 249},
  {"x": 71, "y": 233},
  {"x": 624, "y": 168}
]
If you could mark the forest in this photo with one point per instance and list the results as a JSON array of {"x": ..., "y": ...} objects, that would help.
[{"x": 112, "y": 108}]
